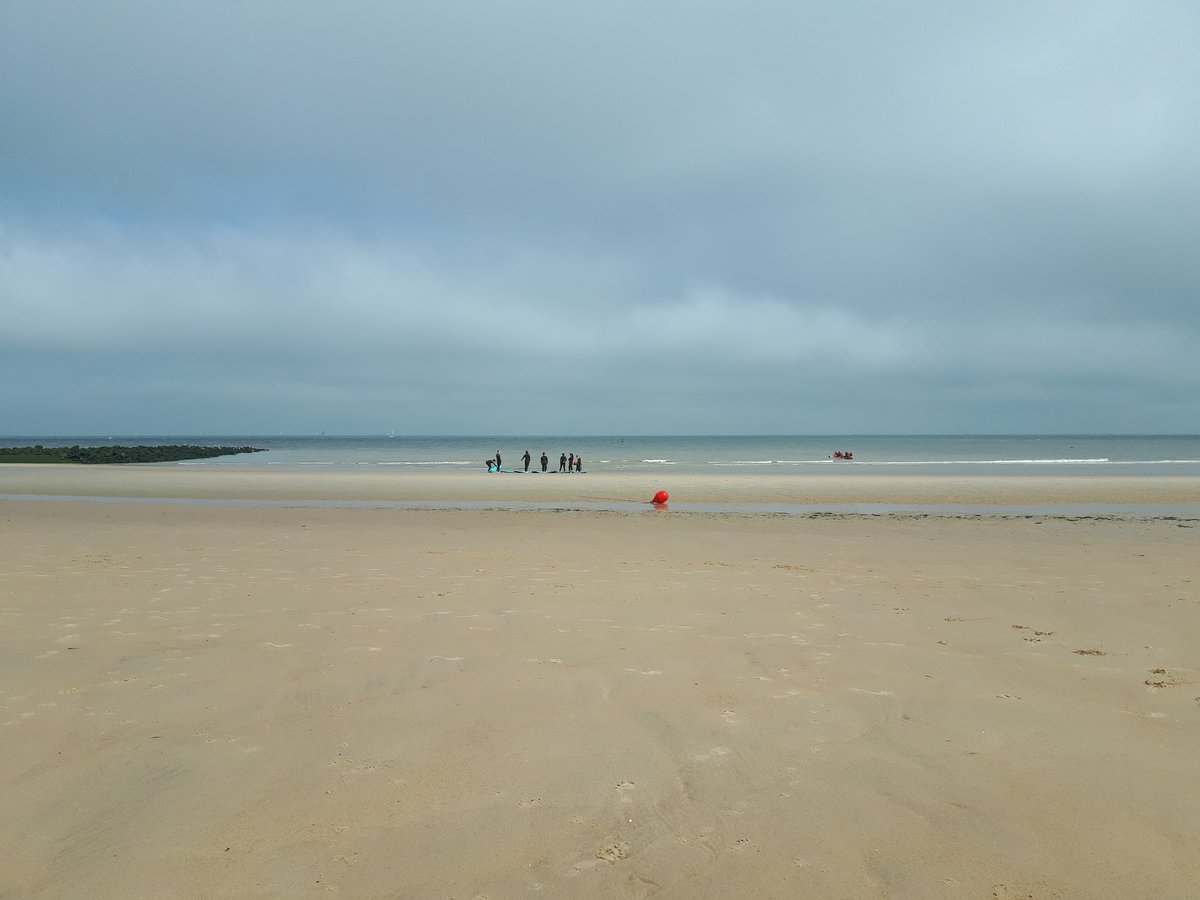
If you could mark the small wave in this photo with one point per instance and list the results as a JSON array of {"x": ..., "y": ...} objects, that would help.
[
  {"x": 440, "y": 462},
  {"x": 774, "y": 462},
  {"x": 1158, "y": 462},
  {"x": 990, "y": 462},
  {"x": 664, "y": 462}
]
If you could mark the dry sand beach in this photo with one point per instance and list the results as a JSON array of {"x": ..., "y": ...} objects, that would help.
[{"x": 238, "y": 701}]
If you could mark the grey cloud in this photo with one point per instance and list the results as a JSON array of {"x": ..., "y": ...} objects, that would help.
[{"x": 957, "y": 215}]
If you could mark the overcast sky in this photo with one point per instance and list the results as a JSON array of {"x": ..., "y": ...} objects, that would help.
[{"x": 599, "y": 217}]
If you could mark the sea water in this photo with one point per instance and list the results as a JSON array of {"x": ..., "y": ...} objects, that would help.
[{"x": 931, "y": 455}]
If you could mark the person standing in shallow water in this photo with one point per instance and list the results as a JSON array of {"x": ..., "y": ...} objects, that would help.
[
  {"x": 545, "y": 460},
  {"x": 579, "y": 463},
  {"x": 497, "y": 460},
  {"x": 526, "y": 459},
  {"x": 562, "y": 463},
  {"x": 570, "y": 463}
]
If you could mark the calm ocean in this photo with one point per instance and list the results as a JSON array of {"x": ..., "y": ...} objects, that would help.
[{"x": 1116, "y": 455}]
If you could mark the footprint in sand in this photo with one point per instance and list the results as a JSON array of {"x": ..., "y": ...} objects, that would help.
[
  {"x": 1002, "y": 892},
  {"x": 613, "y": 852},
  {"x": 1161, "y": 678},
  {"x": 1037, "y": 633}
]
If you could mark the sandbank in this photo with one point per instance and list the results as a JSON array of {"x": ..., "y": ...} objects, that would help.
[{"x": 220, "y": 482}]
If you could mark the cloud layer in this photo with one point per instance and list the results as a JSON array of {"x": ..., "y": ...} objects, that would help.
[{"x": 535, "y": 217}]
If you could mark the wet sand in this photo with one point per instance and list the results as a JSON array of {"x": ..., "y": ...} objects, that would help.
[
  {"x": 230, "y": 701},
  {"x": 472, "y": 485}
]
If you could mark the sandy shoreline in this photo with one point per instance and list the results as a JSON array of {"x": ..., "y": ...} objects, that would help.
[
  {"x": 210, "y": 482},
  {"x": 260, "y": 702}
]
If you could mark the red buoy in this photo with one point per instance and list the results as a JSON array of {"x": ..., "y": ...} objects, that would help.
[{"x": 661, "y": 497}]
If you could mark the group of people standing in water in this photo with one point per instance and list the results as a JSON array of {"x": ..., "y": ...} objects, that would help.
[{"x": 568, "y": 462}]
